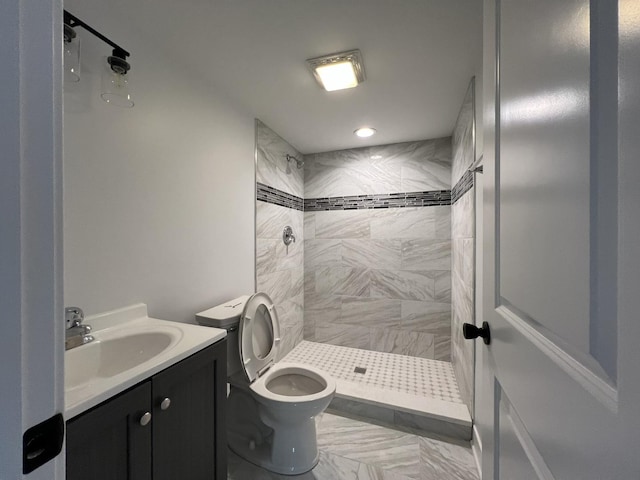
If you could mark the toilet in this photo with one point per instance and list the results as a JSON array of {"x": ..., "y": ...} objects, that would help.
[{"x": 271, "y": 406}]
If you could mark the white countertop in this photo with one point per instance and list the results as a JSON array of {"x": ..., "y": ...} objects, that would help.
[{"x": 186, "y": 340}]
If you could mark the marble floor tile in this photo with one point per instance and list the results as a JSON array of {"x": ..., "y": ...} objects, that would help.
[
  {"x": 445, "y": 461},
  {"x": 389, "y": 449},
  {"x": 374, "y": 472},
  {"x": 329, "y": 466},
  {"x": 375, "y": 453}
]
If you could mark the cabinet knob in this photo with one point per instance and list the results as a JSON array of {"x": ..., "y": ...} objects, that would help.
[
  {"x": 165, "y": 403},
  {"x": 145, "y": 419}
]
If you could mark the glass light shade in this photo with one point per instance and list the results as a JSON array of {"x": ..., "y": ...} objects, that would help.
[
  {"x": 72, "y": 60},
  {"x": 337, "y": 76},
  {"x": 115, "y": 87},
  {"x": 365, "y": 132}
]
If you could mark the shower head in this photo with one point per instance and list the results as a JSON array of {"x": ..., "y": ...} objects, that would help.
[{"x": 299, "y": 163}]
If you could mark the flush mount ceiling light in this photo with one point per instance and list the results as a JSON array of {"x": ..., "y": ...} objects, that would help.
[
  {"x": 365, "y": 132},
  {"x": 338, "y": 70}
]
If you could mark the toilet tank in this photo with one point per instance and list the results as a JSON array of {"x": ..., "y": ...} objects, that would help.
[{"x": 227, "y": 316}]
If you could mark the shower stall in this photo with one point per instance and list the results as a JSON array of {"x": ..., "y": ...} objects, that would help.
[{"x": 380, "y": 278}]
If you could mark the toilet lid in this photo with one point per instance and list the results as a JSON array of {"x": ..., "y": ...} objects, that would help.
[{"x": 259, "y": 335}]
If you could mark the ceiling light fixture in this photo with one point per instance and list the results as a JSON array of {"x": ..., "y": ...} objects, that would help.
[
  {"x": 338, "y": 70},
  {"x": 365, "y": 132}
]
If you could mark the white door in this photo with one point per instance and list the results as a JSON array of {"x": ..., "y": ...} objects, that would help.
[
  {"x": 31, "y": 309},
  {"x": 561, "y": 250}
]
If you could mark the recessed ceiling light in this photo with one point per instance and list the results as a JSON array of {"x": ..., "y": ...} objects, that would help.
[
  {"x": 365, "y": 132},
  {"x": 375, "y": 157},
  {"x": 338, "y": 70}
]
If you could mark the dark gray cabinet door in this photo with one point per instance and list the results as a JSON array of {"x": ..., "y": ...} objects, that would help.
[
  {"x": 184, "y": 439},
  {"x": 108, "y": 442},
  {"x": 188, "y": 428}
]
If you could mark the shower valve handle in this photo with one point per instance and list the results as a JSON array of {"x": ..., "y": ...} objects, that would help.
[{"x": 470, "y": 332}]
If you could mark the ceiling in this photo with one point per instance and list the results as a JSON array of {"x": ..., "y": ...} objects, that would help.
[{"x": 419, "y": 56}]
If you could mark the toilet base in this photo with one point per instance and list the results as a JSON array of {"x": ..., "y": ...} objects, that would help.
[
  {"x": 260, "y": 455},
  {"x": 251, "y": 439}
]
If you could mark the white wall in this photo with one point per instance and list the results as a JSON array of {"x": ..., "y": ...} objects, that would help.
[{"x": 158, "y": 199}]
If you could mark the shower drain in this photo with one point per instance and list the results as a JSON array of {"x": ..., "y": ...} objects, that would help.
[{"x": 360, "y": 370}]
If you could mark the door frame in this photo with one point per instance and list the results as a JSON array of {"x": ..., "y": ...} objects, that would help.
[{"x": 31, "y": 282}]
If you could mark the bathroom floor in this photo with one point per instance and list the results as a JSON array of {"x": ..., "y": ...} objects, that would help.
[{"x": 356, "y": 450}]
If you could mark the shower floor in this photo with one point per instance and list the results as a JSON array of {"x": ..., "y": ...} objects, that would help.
[{"x": 399, "y": 390}]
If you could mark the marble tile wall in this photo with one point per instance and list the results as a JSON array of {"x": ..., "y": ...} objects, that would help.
[
  {"x": 272, "y": 168},
  {"x": 463, "y": 148},
  {"x": 279, "y": 269},
  {"x": 379, "y": 278},
  {"x": 463, "y": 248},
  {"x": 399, "y": 167}
]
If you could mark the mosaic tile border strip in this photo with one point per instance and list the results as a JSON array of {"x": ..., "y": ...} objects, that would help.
[
  {"x": 385, "y": 200},
  {"x": 268, "y": 194},
  {"x": 430, "y": 198},
  {"x": 463, "y": 186}
]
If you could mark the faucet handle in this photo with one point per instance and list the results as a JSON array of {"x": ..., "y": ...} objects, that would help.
[{"x": 73, "y": 316}]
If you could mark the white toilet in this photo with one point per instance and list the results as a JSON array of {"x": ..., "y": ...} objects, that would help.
[{"x": 271, "y": 407}]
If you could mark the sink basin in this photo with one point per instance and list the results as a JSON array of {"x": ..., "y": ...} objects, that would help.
[
  {"x": 104, "y": 358},
  {"x": 129, "y": 347}
]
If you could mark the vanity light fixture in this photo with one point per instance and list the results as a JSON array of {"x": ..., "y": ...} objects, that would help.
[
  {"x": 115, "y": 81},
  {"x": 338, "y": 70},
  {"x": 365, "y": 132},
  {"x": 71, "y": 55}
]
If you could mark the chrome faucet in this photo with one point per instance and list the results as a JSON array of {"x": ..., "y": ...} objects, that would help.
[{"x": 77, "y": 334}]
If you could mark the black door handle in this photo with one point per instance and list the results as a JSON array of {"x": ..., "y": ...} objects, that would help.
[{"x": 470, "y": 332}]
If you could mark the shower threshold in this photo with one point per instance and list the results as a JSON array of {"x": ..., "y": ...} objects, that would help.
[{"x": 409, "y": 393}]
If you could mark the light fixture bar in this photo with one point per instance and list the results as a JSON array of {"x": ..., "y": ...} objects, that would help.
[
  {"x": 73, "y": 21},
  {"x": 338, "y": 70}
]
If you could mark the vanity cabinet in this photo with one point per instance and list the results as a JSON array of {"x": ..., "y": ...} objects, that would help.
[{"x": 168, "y": 427}]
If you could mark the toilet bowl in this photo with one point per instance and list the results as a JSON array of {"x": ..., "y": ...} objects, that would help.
[{"x": 272, "y": 406}]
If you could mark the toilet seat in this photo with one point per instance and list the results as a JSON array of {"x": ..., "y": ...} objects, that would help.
[
  {"x": 326, "y": 385},
  {"x": 258, "y": 335}
]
